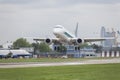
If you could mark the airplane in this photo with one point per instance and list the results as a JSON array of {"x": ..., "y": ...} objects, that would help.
[{"x": 63, "y": 36}]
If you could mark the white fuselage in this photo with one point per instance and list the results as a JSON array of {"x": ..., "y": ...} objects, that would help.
[{"x": 61, "y": 33}]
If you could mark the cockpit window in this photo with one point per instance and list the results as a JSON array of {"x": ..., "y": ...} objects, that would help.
[{"x": 68, "y": 35}]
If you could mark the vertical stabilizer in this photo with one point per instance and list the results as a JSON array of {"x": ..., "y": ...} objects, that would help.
[{"x": 76, "y": 30}]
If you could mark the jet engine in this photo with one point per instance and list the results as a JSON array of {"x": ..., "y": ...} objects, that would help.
[
  {"x": 79, "y": 41},
  {"x": 48, "y": 41}
]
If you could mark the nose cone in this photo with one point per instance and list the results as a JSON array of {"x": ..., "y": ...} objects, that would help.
[{"x": 58, "y": 29}]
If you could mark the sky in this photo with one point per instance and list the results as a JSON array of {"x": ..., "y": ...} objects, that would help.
[{"x": 37, "y": 18}]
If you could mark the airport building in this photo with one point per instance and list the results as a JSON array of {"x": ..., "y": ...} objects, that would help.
[
  {"x": 108, "y": 34},
  {"x": 112, "y": 36},
  {"x": 111, "y": 46},
  {"x": 85, "y": 53},
  {"x": 78, "y": 53},
  {"x": 7, "y": 45}
]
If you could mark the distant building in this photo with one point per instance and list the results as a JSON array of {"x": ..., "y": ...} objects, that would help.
[
  {"x": 87, "y": 52},
  {"x": 78, "y": 53},
  {"x": 7, "y": 45},
  {"x": 108, "y": 34}
]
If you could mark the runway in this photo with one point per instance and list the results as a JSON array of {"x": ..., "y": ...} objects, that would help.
[{"x": 40, "y": 64}]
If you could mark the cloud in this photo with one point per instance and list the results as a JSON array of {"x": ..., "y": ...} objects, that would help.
[
  {"x": 38, "y": 17},
  {"x": 16, "y": 1},
  {"x": 58, "y": 1},
  {"x": 10, "y": 5}
]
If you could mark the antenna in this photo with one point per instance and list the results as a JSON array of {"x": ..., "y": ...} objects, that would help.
[{"x": 76, "y": 30}]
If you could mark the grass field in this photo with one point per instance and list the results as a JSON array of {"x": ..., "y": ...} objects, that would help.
[
  {"x": 46, "y": 60},
  {"x": 80, "y": 72},
  {"x": 38, "y": 60}
]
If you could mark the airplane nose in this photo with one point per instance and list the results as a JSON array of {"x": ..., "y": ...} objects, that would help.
[{"x": 58, "y": 29}]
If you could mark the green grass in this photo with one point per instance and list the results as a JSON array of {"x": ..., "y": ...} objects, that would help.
[
  {"x": 79, "y": 72},
  {"x": 46, "y": 60},
  {"x": 39, "y": 60}
]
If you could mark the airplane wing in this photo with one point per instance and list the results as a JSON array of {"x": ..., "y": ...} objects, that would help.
[
  {"x": 47, "y": 40},
  {"x": 98, "y": 39},
  {"x": 43, "y": 39},
  {"x": 73, "y": 41},
  {"x": 39, "y": 39},
  {"x": 57, "y": 40},
  {"x": 93, "y": 39}
]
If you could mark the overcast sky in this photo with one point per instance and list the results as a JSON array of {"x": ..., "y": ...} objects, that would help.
[{"x": 36, "y": 18}]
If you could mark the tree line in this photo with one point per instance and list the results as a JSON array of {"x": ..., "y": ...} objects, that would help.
[{"x": 22, "y": 42}]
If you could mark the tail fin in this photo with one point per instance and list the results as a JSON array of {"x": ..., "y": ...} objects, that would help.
[{"x": 76, "y": 30}]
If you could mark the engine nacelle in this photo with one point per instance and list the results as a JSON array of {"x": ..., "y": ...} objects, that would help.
[
  {"x": 79, "y": 41},
  {"x": 48, "y": 41}
]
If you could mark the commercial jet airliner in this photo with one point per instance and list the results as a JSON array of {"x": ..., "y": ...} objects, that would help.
[{"x": 63, "y": 36}]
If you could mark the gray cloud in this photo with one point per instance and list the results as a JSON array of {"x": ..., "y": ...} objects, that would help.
[
  {"x": 38, "y": 17},
  {"x": 16, "y": 1},
  {"x": 60, "y": 1},
  {"x": 44, "y": 4},
  {"x": 57, "y": 3}
]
